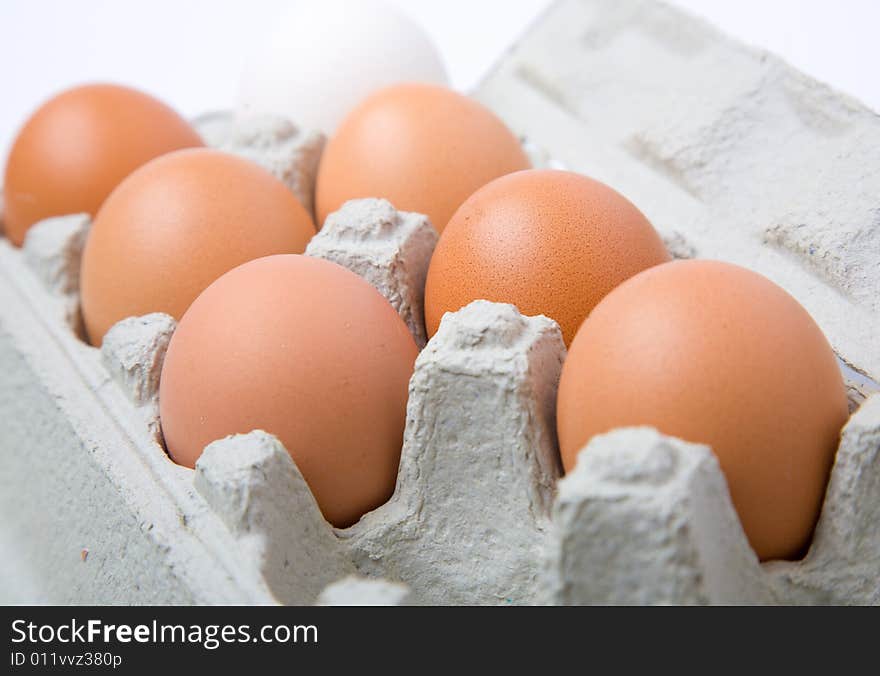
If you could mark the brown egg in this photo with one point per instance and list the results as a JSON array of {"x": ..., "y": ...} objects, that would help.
[
  {"x": 550, "y": 242},
  {"x": 177, "y": 224},
  {"x": 306, "y": 350},
  {"x": 715, "y": 354},
  {"x": 423, "y": 147},
  {"x": 79, "y": 145}
]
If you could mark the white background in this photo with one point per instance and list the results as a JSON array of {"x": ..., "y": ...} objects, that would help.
[{"x": 190, "y": 52}]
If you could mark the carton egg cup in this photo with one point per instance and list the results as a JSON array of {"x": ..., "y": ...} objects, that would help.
[{"x": 94, "y": 511}]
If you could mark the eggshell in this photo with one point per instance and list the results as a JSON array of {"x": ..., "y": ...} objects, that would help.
[
  {"x": 321, "y": 58},
  {"x": 713, "y": 353},
  {"x": 304, "y": 349},
  {"x": 550, "y": 242},
  {"x": 79, "y": 145},
  {"x": 423, "y": 147},
  {"x": 177, "y": 224}
]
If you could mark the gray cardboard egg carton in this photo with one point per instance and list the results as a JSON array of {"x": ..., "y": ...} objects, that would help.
[{"x": 92, "y": 510}]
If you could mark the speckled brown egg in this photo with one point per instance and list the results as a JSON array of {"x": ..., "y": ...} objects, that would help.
[
  {"x": 716, "y": 354},
  {"x": 308, "y": 351},
  {"x": 423, "y": 147},
  {"x": 550, "y": 242},
  {"x": 78, "y": 146},
  {"x": 177, "y": 224}
]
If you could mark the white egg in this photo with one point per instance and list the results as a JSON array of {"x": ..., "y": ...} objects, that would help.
[{"x": 322, "y": 58}]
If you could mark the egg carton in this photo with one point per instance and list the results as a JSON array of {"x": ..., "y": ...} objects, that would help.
[{"x": 94, "y": 511}]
